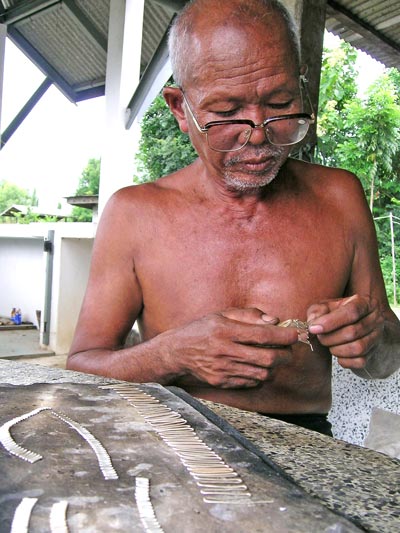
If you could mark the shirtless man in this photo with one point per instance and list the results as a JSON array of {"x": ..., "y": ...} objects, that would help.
[{"x": 210, "y": 258}]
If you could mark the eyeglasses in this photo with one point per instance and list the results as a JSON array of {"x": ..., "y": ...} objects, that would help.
[{"x": 233, "y": 135}]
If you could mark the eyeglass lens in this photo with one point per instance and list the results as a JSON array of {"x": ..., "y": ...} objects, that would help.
[{"x": 281, "y": 132}]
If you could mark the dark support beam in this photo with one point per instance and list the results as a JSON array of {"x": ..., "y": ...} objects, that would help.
[
  {"x": 150, "y": 74},
  {"x": 310, "y": 19},
  {"x": 91, "y": 92},
  {"x": 26, "y": 8},
  {"x": 175, "y": 5},
  {"x": 27, "y": 108},
  {"x": 87, "y": 24},
  {"x": 36, "y": 58},
  {"x": 363, "y": 24}
]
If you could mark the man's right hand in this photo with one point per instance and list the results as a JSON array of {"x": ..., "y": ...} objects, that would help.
[{"x": 235, "y": 348}]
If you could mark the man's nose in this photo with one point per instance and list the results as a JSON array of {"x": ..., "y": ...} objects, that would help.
[{"x": 258, "y": 135}]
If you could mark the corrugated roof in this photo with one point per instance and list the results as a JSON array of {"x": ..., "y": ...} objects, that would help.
[
  {"x": 67, "y": 39},
  {"x": 369, "y": 25}
]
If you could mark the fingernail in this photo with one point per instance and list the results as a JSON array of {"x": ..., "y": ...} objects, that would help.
[
  {"x": 315, "y": 329},
  {"x": 269, "y": 319}
]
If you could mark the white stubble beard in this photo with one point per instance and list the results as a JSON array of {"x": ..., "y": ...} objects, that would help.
[{"x": 233, "y": 181}]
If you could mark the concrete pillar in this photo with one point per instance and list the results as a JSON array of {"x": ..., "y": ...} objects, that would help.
[
  {"x": 310, "y": 18},
  {"x": 122, "y": 77},
  {"x": 3, "y": 33}
]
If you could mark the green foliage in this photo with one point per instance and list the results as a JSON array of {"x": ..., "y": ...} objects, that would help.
[
  {"x": 163, "y": 148},
  {"x": 363, "y": 136},
  {"x": 88, "y": 185},
  {"x": 11, "y": 194},
  {"x": 90, "y": 179},
  {"x": 338, "y": 87}
]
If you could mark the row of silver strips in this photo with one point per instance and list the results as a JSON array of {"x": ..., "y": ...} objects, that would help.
[
  {"x": 22, "y": 515},
  {"x": 12, "y": 447},
  {"x": 218, "y": 482},
  {"x": 145, "y": 507}
]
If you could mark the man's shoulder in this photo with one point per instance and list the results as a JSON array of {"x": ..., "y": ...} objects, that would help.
[
  {"x": 329, "y": 180},
  {"x": 149, "y": 193}
]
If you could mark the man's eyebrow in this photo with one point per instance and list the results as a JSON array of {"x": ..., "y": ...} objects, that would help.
[{"x": 219, "y": 98}]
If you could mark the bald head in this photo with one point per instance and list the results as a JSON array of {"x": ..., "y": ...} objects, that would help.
[{"x": 201, "y": 20}]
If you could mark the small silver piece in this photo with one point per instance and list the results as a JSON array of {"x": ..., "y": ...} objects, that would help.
[
  {"x": 302, "y": 330},
  {"x": 22, "y": 515},
  {"x": 58, "y": 517},
  {"x": 145, "y": 507}
]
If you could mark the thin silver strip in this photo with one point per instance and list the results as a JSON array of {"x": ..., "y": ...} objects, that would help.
[
  {"x": 145, "y": 507},
  {"x": 103, "y": 458},
  {"x": 58, "y": 517},
  {"x": 22, "y": 515},
  {"x": 9, "y": 443}
]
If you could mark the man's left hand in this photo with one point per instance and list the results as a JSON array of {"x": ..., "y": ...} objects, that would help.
[{"x": 350, "y": 327}]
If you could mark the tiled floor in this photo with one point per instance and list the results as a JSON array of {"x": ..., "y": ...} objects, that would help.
[{"x": 23, "y": 345}]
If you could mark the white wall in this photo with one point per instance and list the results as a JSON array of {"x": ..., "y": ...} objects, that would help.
[
  {"x": 70, "y": 286},
  {"x": 22, "y": 276}
]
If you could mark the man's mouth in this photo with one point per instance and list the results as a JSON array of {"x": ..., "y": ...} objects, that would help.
[{"x": 255, "y": 165}]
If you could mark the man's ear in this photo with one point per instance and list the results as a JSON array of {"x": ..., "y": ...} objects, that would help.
[{"x": 174, "y": 98}]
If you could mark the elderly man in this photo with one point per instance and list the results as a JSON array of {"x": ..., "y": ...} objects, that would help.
[{"x": 209, "y": 259}]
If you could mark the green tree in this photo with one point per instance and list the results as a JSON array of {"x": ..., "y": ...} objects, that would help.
[
  {"x": 362, "y": 135},
  {"x": 88, "y": 186},
  {"x": 372, "y": 140},
  {"x": 338, "y": 87},
  {"x": 163, "y": 148},
  {"x": 11, "y": 194}
]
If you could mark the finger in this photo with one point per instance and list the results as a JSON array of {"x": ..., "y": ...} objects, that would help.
[
  {"x": 260, "y": 356},
  {"x": 357, "y": 349},
  {"x": 352, "y": 332},
  {"x": 227, "y": 373},
  {"x": 349, "y": 311},
  {"x": 242, "y": 375},
  {"x": 249, "y": 316},
  {"x": 267, "y": 335},
  {"x": 315, "y": 311},
  {"x": 240, "y": 383}
]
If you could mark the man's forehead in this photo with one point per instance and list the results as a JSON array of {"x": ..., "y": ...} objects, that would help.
[{"x": 239, "y": 50}]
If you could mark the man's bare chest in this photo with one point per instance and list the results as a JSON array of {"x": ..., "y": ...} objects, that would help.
[{"x": 192, "y": 270}]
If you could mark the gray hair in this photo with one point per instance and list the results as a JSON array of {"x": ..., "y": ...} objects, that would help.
[{"x": 184, "y": 25}]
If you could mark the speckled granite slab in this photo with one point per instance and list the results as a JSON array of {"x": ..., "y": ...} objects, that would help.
[
  {"x": 361, "y": 484},
  {"x": 69, "y": 471}
]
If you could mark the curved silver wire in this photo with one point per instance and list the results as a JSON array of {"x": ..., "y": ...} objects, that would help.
[{"x": 11, "y": 446}]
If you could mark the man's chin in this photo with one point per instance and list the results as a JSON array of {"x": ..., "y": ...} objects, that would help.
[{"x": 248, "y": 183}]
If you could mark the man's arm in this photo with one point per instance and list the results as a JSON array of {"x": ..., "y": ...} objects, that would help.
[
  {"x": 219, "y": 349},
  {"x": 360, "y": 329}
]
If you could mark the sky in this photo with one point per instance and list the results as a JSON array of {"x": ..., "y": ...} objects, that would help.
[{"x": 53, "y": 145}]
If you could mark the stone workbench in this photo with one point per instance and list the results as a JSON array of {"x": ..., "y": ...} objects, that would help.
[{"x": 360, "y": 486}]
